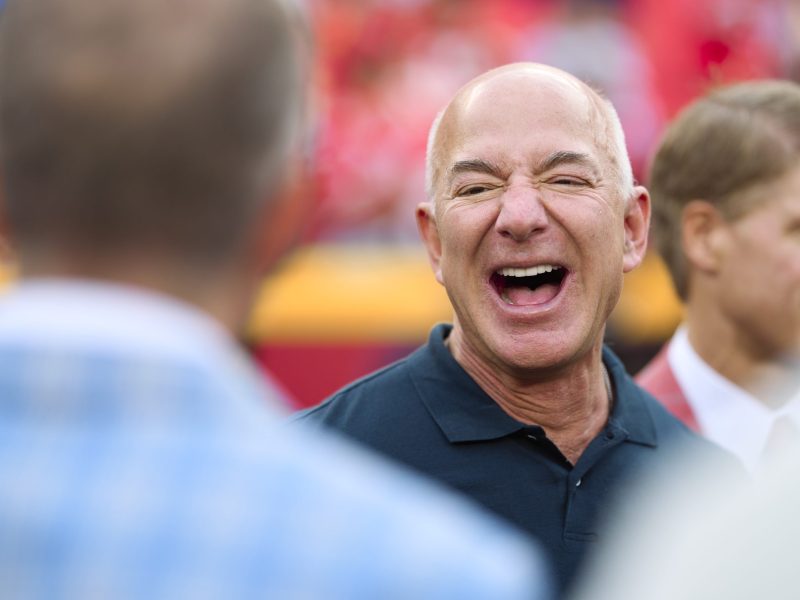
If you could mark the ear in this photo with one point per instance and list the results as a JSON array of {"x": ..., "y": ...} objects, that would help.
[
  {"x": 703, "y": 235},
  {"x": 429, "y": 231},
  {"x": 637, "y": 224}
]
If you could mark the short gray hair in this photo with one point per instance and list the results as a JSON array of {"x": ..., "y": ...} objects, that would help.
[{"x": 124, "y": 124}]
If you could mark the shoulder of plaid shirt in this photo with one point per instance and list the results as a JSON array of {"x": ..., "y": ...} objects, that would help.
[{"x": 139, "y": 458}]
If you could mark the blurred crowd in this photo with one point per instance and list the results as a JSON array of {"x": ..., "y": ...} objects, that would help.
[{"x": 386, "y": 66}]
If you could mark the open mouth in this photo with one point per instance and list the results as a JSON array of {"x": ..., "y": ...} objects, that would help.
[{"x": 528, "y": 286}]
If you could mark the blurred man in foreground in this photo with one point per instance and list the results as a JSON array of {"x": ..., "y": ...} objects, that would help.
[
  {"x": 143, "y": 152},
  {"x": 693, "y": 533},
  {"x": 726, "y": 184},
  {"x": 533, "y": 218}
]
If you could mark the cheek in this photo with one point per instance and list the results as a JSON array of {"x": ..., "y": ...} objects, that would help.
[
  {"x": 463, "y": 229},
  {"x": 452, "y": 251},
  {"x": 455, "y": 256},
  {"x": 589, "y": 221},
  {"x": 773, "y": 264},
  {"x": 791, "y": 276},
  {"x": 760, "y": 278}
]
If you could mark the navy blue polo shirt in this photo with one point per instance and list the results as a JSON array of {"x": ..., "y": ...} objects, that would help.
[{"x": 428, "y": 413}]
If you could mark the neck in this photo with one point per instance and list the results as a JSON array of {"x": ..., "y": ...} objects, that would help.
[
  {"x": 571, "y": 403},
  {"x": 224, "y": 294},
  {"x": 769, "y": 377}
]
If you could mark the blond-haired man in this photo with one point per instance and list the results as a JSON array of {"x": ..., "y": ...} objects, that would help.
[{"x": 725, "y": 184}]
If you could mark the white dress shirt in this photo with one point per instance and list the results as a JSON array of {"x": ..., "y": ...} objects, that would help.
[{"x": 726, "y": 414}]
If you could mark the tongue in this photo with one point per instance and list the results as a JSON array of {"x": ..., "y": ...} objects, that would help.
[{"x": 523, "y": 296}]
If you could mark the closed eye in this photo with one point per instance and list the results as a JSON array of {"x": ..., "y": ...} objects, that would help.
[
  {"x": 568, "y": 181},
  {"x": 473, "y": 190}
]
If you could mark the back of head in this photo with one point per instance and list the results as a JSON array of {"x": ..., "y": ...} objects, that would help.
[
  {"x": 150, "y": 124},
  {"x": 720, "y": 149}
]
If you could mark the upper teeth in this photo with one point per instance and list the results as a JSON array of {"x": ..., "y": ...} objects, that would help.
[{"x": 529, "y": 272}]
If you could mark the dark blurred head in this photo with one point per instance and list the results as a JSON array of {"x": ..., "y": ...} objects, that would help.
[
  {"x": 723, "y": 150},
  {"x": 157, "y": 125}
]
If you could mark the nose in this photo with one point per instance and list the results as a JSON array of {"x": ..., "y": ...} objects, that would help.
[{"x": 521, "y": 214}]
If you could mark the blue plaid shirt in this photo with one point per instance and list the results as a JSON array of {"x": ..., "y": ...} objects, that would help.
[{"x": 139, "y": 458}]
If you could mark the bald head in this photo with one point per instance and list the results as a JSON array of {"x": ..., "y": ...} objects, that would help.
[
  {"x": 524, "y": 87},
  {"x": 150, "y": 123}
]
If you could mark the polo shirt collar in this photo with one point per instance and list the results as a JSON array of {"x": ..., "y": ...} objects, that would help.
[
  {"x": 630, "y": 414},
  {"x": 465, "y": 413}
]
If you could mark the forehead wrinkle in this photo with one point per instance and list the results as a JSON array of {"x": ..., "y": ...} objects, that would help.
[
  {"x": 551, "y": 81},
  {"x": 566, "y": 98},
  {"x": 560, "y": 157},
  {"x": 476, "y": 165}
]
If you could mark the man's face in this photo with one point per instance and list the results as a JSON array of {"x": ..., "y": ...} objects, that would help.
[
  {"x": 529, "y": 233},
  {"x": 759, "y": 291}
]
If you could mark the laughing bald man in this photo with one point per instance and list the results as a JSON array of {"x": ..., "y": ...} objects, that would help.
[{"x": 531, "y": 221}]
